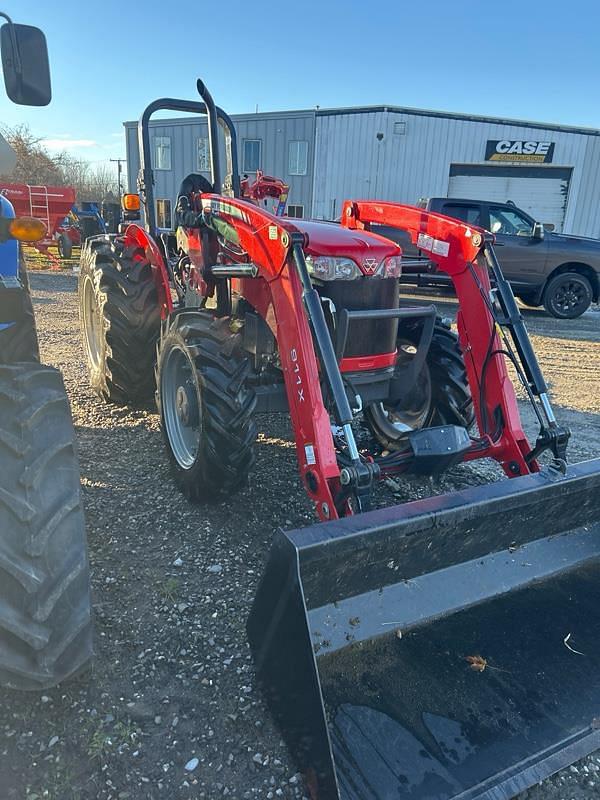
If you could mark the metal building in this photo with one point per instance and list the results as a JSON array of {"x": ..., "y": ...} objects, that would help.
[{"x": 392, "y": 153}]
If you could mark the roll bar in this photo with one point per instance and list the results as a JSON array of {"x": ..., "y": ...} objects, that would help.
[{"x": 216, "y": 117}]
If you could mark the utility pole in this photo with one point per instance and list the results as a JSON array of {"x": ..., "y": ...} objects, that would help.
[{"x": 118, "y": 162}]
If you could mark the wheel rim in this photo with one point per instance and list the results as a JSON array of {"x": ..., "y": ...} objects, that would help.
[
  {"x": 181, "y": 406},
  {"x": 92, "y": 323},
  {"x": 569, "y": 296},
  {"x": 416, "y": 406}
]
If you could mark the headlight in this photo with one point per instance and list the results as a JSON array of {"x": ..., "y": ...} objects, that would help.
[
  {"x": 391, "y": 267},
  {"x": 326, "y": 268}
]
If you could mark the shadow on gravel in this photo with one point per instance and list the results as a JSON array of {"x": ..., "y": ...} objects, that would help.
[{"x": 61, "y": 281}]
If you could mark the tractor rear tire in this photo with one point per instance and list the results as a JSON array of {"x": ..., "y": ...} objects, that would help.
[
  {"x": 65, "y": 246},
  {"x": 119, "y": 313},
  {"x": 45, "y": 608},
  {"x": 441, "y": 396},
  {"x": 205, "y": 405},
  {"x": 19, "y": 342}
]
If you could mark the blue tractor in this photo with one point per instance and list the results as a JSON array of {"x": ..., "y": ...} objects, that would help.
[
  {"x": 84, "y": 221},
  {"x": 45, "y": 619}
]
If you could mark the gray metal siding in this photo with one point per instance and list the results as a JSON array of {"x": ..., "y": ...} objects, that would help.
[
  {"x": 346, "y": 159},
  {"x": 352, "y": 163},
  {"x": 585, "y": 203},
  {"x": 274, "y": 131}
]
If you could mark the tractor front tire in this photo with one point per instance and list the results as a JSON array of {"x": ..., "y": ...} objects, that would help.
[
  {"x": 119, "y": 313},
  {"x": 45, "y": 609},
  {"x": 65, "y": 246},
  {"x": 19, "y": 341},
  {"x": 205, "y": 405},
  {"x": 441, "y": 395}
]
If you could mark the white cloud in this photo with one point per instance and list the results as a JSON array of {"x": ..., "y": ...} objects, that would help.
[{"x": 67, "y": 143}]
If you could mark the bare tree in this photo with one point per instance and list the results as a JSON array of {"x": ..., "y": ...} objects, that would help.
[
  {"x": 92, "y": 182},
  {"x": 34, "y": 165}
]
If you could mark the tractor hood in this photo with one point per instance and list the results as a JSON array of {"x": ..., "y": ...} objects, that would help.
[{"x": 330, "y": 239}]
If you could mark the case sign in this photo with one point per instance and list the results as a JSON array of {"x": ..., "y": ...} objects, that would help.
[{"x": 516, "y": 150}]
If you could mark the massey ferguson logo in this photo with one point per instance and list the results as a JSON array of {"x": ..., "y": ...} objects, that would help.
[
  {"x": 370, "y": 265},
  {"x": 519, "y": 150}
]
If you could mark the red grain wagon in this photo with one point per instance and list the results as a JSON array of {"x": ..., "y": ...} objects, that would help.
[{"x": 51, "y": 204}]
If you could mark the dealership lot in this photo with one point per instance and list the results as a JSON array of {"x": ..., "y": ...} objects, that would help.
[{"x": 172, "y": 679}]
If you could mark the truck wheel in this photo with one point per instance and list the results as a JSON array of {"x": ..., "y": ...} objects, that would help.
[
  {"x": 568, "y": 295},
  {"x": 120, "y": 320},
  {"x": 45, "y": 621},
  {"x": 65, "y": 246},
  {"x": 19, "y": 341},
  {"x": 205, "y": 405},
  {"x": 441, "y": 395}
]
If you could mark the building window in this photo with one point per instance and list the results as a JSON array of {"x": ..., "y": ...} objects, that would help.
[
  {"x": 252, "y": 148},
  {"x": 298, "y": 158},
  {"x": 400, "y": 128},
  {"x": 162, "y": 152},
  {"x": 202, "y": 156},
  {"x": 295, "y": 211},
  {"x": 163, "y": 214}
]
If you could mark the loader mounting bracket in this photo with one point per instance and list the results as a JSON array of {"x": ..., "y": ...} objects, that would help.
[
  {"x": 554, "y": 438},
  {"x": 357, "y": 481}
]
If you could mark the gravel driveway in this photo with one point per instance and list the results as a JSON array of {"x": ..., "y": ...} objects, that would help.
[{"x": 170, "y": 708}]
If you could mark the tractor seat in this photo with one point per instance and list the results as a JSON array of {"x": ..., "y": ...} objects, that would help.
[{"x": 192, "y": 184}]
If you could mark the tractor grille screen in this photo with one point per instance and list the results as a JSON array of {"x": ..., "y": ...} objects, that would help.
[{"x": 366, "y": 337}]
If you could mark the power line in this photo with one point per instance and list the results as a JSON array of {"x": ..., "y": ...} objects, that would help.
[{"x": 118, "y": 162}]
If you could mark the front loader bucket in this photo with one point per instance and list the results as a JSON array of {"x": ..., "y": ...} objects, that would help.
[{"x": 447, "y": 648}]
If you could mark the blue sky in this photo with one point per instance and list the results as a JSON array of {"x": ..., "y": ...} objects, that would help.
[{"x": 528, "y": 60}]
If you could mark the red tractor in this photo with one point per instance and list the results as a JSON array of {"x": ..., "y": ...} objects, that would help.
[
  {"x": 242, "y": 311},
  {"x": 264, "y": 187}
]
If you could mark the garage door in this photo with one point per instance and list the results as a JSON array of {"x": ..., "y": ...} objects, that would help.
[{"x": 540, "y": 191}]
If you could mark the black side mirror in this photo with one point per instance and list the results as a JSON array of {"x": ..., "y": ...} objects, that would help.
[
  {"x": 25, "y": 65},
  {"x": 538, "y": 231}
]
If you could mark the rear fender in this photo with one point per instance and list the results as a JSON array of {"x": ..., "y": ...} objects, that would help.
[{"x": 136, "y": 236}]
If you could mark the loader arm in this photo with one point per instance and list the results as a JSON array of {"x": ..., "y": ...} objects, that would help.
[
  {"x": 277, "y": 294},
  {"x": 458, "y": 250}
]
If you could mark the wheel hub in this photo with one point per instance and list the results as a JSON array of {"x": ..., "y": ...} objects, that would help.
[
  {"x": 181, "y": 406},
  {"x": 92, "y": 324},
  {"x": 569, "y": 297}
]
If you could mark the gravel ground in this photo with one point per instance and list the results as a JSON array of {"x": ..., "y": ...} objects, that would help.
[{"x": 171, "y": 708}]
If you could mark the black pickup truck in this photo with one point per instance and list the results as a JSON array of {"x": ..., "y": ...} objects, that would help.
[{"x": 558, "y": 271}]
